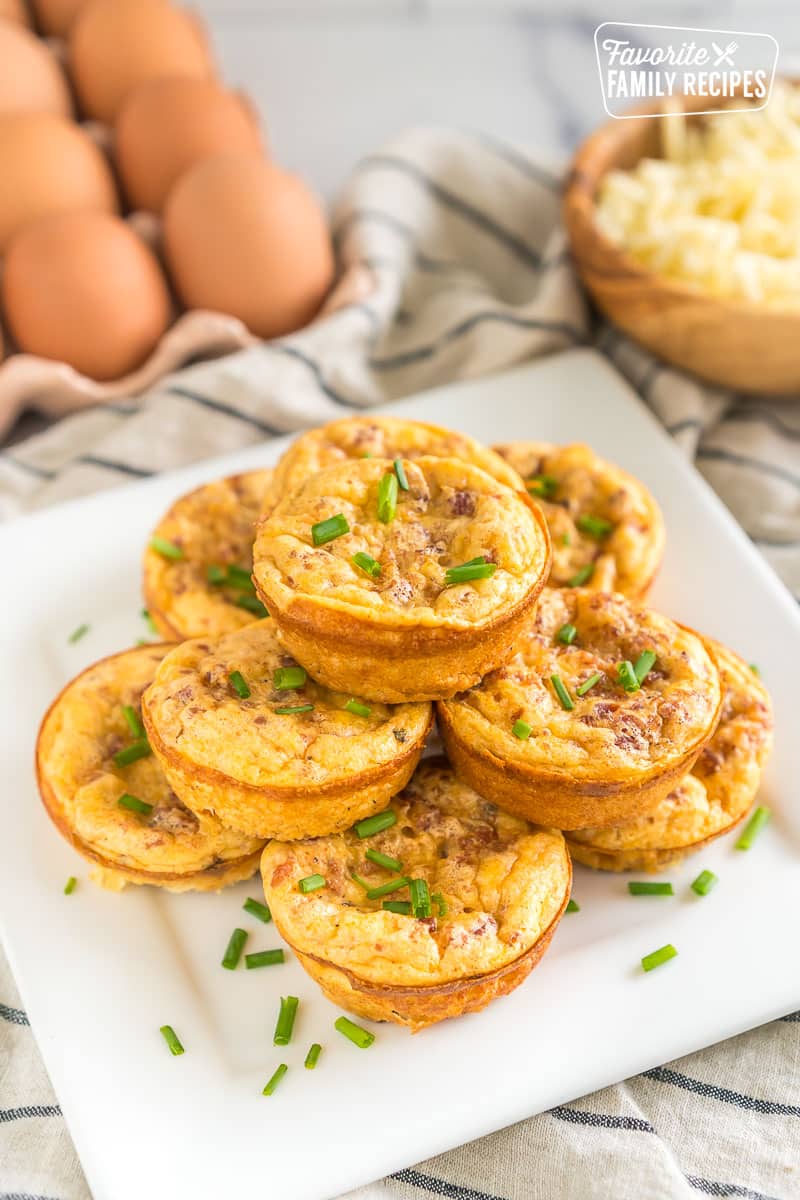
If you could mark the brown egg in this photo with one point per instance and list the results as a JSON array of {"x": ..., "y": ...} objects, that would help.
[
  {"x": 167, "y": 125},
  {"x": 49, "y": 164},
  {"x": 244, "y": 237},
  {"x": 30, "y": 78},
  {"x": 115, "y": 44},
  {"x": 16, "y": 11},
  {"x": 54, "y": 17},
  {"x": 82, "y": 288}
]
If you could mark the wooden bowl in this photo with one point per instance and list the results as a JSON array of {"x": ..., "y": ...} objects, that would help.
[{"x": 729, "y": 342}]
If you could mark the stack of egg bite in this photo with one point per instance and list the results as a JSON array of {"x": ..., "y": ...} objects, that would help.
[{"x": 135, "y": 185}]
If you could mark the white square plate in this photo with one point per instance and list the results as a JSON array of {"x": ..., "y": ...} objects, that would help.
[{"x": 101, "y": 972}]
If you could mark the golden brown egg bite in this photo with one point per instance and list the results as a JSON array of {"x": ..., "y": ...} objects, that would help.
[
  {"x": 565, "y": 733},
  {"x": 490, "y": 888},
  {"x": 399, "y": 592},
  {"x": 107, "y": 795},
  {"x": 377, "y": 437},
  {"x": 606, "y": 528},
  {"x": 198, "y": 562},
  {"x": 243, "y": 733},
  {"x": 709, "y": 801}
]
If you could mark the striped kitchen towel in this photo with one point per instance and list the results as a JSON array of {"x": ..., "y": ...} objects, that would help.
[{"x": 455, "y": 266}]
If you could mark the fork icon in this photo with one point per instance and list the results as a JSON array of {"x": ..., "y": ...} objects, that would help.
[{"x": 725, "y": 55}]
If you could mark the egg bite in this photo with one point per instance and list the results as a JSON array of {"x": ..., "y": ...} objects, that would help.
[
  {"x": 197, "y": 565},
  {"x": 606, "y": 528},
  {"x": 242, "y": 732},
  {"x": 711, "y": 800},
  {"x": 107, "y": 795},
  {"x": 490, "y": 889},
  {"x": 602, "y": 708},
  {"x": 378, "y": 437},
  {"x": 404, "y": 580}
]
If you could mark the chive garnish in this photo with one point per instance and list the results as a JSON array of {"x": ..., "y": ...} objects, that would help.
[
  {"x": 440, "y": 902},
  {"x": 477, "y": 568},
  {"x": 77, "y": 634},
  {"x": 705, "y": 881},
  {"x": 596, "y": 527},
  {"x": 521, "y": 730},
  {"x": 312, "y": 1058},
  {"x": 367, "y": 564},
  {"x": 384, "y": 860},
  {"x": 239, "y": 577},
  {"x": 239, "y": 684},
  {"x": 166, "y": 548},
  {"x": 288, "y": 679},
  {"x": 358, "y": 1036},
  {"x": 357, "y": 708},
  {"x": 387, "y": 497},
  {"x": 285, "y": 1023},
  {"x": 644, "y": 664},
  {"x": 257, "y": 909},
  {"x": 263, "y": 958},
  {"x": 252, "y": 604},
  {"x": 400, "y": 472},
  {"x": 70, "y": 885},
  {"x": 289, "y": 709},
  {"x": 130, "y": 754},
  {"x": 403, "y": 907},
  {"x": 560, "y": 690},
  {"x": 386, "y": 889},
  {"x": 754, "y": 667},
  {"x": 642, "y": 888},
  {"x": 134, "y": 804},
  {"x": 627, "y": 676},
  {"x": 582, "y": 576},
  {"x": 573, "y": 906},
  {"x": 171, "y": 1038},
  {"x": 588, "y": 684},
  {"x": 651, "y": 961},
  {"x": 420, "y": 898},
  {"x": 543, "y": 486},
  {"x": 372, "y": 825},
  {"x": 364, "y": 883},
  {"x": 753, "y": 828},
  {"x": 329, "y": 530},
  {"x": 311, "y": 883},
  {"x": 280, "y": 1071},
  {"x": 133, "y": 720},
  {"x": 215, "y": 574},
  {"x": 233, "y": 951},
  {"x": 567, "y": 634},
  {"x": 565, "y": 539},
  {"x": 151, "y": 625}
]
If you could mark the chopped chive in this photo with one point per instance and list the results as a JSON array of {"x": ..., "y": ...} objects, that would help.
[
  {"x": 358, "y": 1036},
  {"x": 387, "y": 498},
  {"x": 263, "y": 958},
  {"x": 440, "y": 902},
  {"x": 627, "y": 676},
  {"x": 386, "y": 889},
  {"x": 588, "y": 684},
  {"x": 77, "y": 634},
  {"x": 573, "y": 906},
  {"x": 131, "y": 754},
  {"x": 146, "y": 617},
  {"x": 705, "y": 881},
  {"x": 134, "y": 804},
  {"x": 143, "y": 642},
  {"x": 403, "y": 907},
  {"x": 357, "y": 708},
  {"x": 364, "y": 883},
  {"x": 567, "y": 703},
  {"x": 567, "y": 634},
  {"x": 239, "y": 684},
  {"x": 543, "y": 486},
  {"x": 372, "y": 825},
  {"x": 644, "y": 665},
  {"x": 311, "y": 883},
  {"x": 476, "y": 569},
  {"x": 285, "y": 1023},
  {"x": 367, "y": 564},
  {"x": 312, "y": 1058},
  {"x": 400, "y": 472},
  {"x": 754, "y": 667},
  {"x": 233, "y": 951},
  {"x": 252, "y": 604},
  {"x": 288, "y": 679},
  {"x": 215, "y": 574},
  {"x": 521, "y": 730},
  {"x": 134, "y": 722},
  {"x": 565, "y": 539},
  {"x": 270, "y": 1086},
  {"x": 642, "y": 888},
  {"x": 651, "y": 961},
  {"x": 596, "y": 527},
  {"x": 582, "y": 576},
  {"x": 171, "y": 1038},
  {"x": 384, "y": 860},
  {"x": 420, "y": 898},
  {"x": 239, "y": 577},
  {"x": 257, "y": 909},
  {"x": 289, "y": 709},
  {"x": 70, "y": 885},
  {"x": 166, "y": 548},
  {"x": 329, "y": 530},
  {"x": 753, "y": 828}
]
